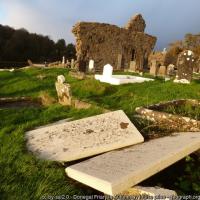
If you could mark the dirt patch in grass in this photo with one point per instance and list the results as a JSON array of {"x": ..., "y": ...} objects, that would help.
[{"x": 19, "y": 102}]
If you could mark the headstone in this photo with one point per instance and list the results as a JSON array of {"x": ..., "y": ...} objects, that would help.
[
  {"x": 116, "y": 171},
  {"x": 84, "y": 138},
  {"x": 119, "y": 61},
  {"x": 154, "y": 68},
  {"x": 132, "y": 66},
  {"x": 107, "y": 71},
  {"x": 30, "y": 62},
  {"x": 68, "y": 64},
  {"x": 72, "y": 63},
  {"x": 63, "y": 60},
  {"x": 171, "y": 70},
  {"x": 162, "y": 71},
  {"x": 63, "y": 91},
  {"x": 185, "y": 65},
  {"x": 91, "y": 65}
]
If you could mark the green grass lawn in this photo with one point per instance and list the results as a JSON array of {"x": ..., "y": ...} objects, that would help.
[{"x": 22, "y": 176}]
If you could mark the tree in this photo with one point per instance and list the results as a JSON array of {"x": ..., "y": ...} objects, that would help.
[
  {"x": 70, "y": 51},
  {"x": 20, "y": 45},
  {"x": 60, "y": 48}
]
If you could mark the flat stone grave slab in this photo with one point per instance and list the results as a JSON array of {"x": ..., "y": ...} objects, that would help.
[
  {"x": 116, "y": 171},
  {"x": 82, "y": 138},
  {"x": 107, "y": 77},
  {"x": 122, "y": 79}
]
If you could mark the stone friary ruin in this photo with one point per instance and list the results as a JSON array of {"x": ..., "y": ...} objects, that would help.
[{"x": 123, "y": 48}]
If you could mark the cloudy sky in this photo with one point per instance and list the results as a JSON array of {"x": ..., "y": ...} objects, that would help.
[{"x": 169, "y": 20}]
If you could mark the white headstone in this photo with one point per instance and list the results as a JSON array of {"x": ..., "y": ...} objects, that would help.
[
  {"x": 63, "y": 60},
  {"x": 107, "y": 71},
  {"x": 91, "y": 65},
  {"x": 116, "y": 171},
  {"x": 84, "y": 138}
]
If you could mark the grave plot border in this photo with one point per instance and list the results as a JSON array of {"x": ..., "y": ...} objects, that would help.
[{"x": 172, "y": 122}]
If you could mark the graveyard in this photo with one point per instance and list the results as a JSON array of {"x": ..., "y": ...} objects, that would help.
[
  {"x": 26, "y": 170},
  {"x": 112, "y": 115}
]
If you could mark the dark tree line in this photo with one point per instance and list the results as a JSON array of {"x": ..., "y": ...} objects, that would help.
[{"x": 20, "y": 45}]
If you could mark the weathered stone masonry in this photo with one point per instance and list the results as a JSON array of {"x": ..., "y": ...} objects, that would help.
[{"x": 105, "y": 43}]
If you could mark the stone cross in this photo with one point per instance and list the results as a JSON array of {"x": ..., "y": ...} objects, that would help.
[
  {"x": 64, "y": 91},
  {"x": 107, "y": 71},
  {"x": 185, "y": 65}
]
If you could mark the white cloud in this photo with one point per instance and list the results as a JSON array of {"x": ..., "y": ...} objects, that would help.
[
  {"x": 168, "y": 20},
  {"x": 37, "y": 18}
]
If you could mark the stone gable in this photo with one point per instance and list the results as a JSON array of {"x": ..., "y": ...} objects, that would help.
[{"x": 105, "y": 43}]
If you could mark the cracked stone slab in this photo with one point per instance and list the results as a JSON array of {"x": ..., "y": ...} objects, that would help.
[
  {"x": 156, "y": 113},
  {"x": 117, "y": 171},
  {"x": 82, "y": 138},
  {"x": 150, "y": 191},
  {"x": 140, "y": 192}
]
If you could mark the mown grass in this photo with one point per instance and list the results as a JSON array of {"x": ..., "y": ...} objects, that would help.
[{"x": 22, "y": 176}]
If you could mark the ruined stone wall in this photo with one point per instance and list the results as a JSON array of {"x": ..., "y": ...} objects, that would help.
[
  {"x": 136, "y": 24},
  {"x": 105, "y": 43}
]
